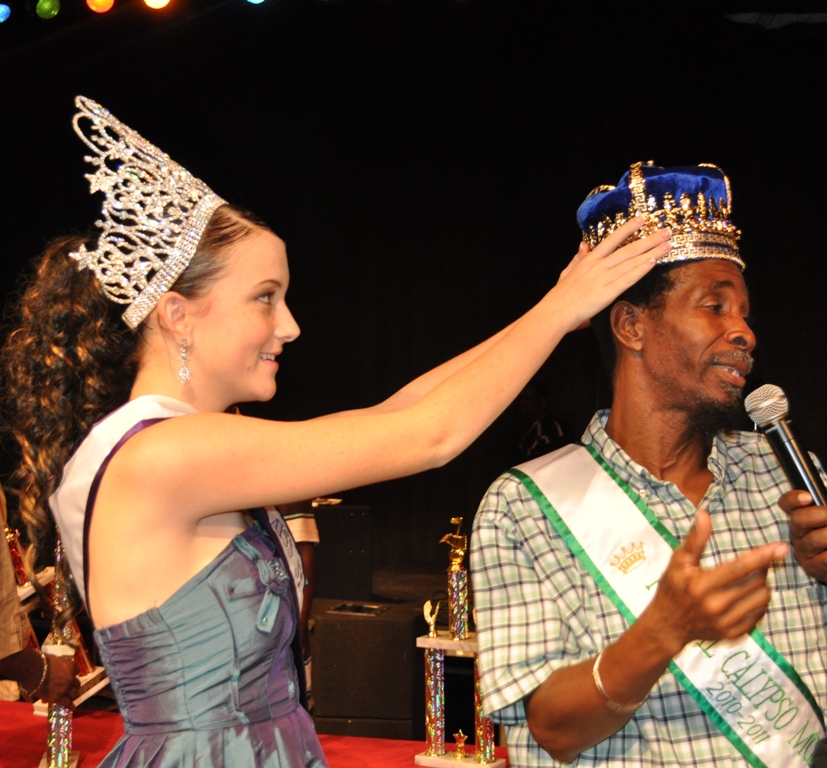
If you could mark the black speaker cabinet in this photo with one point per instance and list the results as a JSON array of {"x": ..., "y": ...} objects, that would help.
[
  {"x": 344, "y": 554},
  {"x": 366, "y": 667}
]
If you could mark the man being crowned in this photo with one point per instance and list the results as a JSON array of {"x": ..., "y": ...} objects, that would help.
[{"x": 637, "y": 601}]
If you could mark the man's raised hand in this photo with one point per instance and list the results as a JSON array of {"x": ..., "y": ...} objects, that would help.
[{"x": 727, "y": 601}]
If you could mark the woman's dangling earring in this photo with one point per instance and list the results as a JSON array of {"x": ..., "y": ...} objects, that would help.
[{"x": 184, "y": 374}]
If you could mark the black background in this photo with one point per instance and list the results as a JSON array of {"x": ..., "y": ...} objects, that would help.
[{"x": 423, "y": 160}]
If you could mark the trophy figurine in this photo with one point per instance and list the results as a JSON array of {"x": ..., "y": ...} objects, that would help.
[
  {"x": 457, "y": 582},
  {"x": 430, "y": 617},
  {"x": 460, "y": 739}
]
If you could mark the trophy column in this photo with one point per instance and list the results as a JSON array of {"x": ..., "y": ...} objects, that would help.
[
  {"x": 434, "y": 702},
  {"x": 484, "y": 726}
]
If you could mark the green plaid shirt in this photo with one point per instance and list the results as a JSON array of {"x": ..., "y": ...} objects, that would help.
[{"x": 538, "y": 609}]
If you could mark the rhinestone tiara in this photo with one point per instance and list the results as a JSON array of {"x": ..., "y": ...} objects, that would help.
[{"x": 154, "y": 212}]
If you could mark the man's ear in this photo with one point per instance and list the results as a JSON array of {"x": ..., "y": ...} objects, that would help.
[{"x": 627, "y": 325}]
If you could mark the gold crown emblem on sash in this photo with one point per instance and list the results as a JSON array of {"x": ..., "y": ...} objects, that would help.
[{"x": 628, "y": 559}]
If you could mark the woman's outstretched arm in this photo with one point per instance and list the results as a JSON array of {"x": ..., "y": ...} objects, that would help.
[
  {"x": 208, "y": 463},
  {"x": 419, "y": 387}
]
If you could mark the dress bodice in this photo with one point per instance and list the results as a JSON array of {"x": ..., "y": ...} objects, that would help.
[
  {"x": 208, "y": 677},
  {"x": 215, "y": 654}
]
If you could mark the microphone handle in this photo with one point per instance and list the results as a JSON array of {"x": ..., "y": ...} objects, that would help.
[{"x": 796, "y": 463}]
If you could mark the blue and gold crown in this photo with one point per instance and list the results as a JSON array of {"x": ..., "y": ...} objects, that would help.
[{"x": 693, "y": 201}]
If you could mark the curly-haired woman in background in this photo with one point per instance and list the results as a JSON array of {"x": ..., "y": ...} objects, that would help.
[{"x": 190, "y": 582}]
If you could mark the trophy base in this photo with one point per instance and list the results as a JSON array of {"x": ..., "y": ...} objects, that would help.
[
  {"x": 73, "y": 760},
  {"x": 89, "y": 685},
  {"x": 449, "y": 759}
]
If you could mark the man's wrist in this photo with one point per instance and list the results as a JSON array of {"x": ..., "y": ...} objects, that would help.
[
  {"x": 617, "y": 708},
  {"x": 656, "y": 637}
]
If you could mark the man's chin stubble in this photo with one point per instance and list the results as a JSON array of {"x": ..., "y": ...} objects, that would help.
[{"x": 713, "y": 416}]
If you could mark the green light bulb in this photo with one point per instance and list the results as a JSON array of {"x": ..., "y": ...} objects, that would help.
[{"x": 47, "y": 9}]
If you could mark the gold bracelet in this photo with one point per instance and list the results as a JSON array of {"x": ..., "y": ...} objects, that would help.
[
  {"x": 30, "y": 694},
  {"x": 613, "y": 705}
]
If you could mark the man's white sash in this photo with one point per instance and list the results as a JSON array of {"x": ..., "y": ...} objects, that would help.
[{"x": 748, "y": 689}]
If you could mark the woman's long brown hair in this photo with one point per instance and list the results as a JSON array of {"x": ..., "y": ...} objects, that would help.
[{"x": 69, "y": 361}]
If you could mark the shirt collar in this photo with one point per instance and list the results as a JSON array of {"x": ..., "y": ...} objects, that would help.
[{"x": 627, "y": 467}]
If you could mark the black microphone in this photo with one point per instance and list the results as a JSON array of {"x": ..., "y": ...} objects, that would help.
[{"x": 768, "y": 408}]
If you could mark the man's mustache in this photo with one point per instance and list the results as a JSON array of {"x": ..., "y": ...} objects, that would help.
[{"x": 736, "y": 354}]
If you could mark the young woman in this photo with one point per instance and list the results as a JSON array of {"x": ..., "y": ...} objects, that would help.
[{"x": 195, "y": 603}]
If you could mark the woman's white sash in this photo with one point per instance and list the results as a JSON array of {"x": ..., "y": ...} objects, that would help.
[
  {"x": 748, "y": 689},
  {"x": 68, "y": 503}
]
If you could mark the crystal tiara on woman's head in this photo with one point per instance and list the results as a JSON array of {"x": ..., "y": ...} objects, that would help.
[{"x": 154, "y": 213}]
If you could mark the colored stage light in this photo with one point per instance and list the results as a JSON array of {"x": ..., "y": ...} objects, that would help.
[
  {"x": 255, "y": 2},
  {"x": 155, "y": 4},
  {"x": 5, "y": 12},
  {"x": 100, "y": 6},
  {"x": 47, "y": 9}
]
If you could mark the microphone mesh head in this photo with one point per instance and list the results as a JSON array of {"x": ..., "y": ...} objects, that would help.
[{"x": 767, "y": 404}]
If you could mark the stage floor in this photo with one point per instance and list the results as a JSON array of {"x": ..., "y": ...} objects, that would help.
[{"x": 23, "y": 741}]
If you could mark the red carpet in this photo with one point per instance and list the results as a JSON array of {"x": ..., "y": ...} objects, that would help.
[
  {"x": 23, "y": 735},
  {"x": 23, "y": 741}
]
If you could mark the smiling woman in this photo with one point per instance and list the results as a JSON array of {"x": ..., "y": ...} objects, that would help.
[
  {"x": 163, "y": 499},
  {"x": 233, "y": 332}
]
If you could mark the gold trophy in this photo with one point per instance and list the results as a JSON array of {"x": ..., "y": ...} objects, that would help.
[
  {"x": 66, "y": 642},
  {"x": 59, "y": 739},
  {"x": 434, "y": 702},
  {"x": 458, "y": 641},
  {"x": 434, "y": 689},
  {"x": 17, "y": 554},
  {"x": 457, "y": 582}
]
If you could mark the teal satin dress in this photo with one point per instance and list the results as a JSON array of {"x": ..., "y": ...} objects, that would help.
[{"x": 208, "y": 678}]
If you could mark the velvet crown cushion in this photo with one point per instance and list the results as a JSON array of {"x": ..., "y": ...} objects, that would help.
[{"x": 690, "y": 179}]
